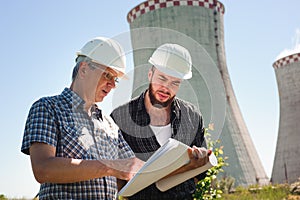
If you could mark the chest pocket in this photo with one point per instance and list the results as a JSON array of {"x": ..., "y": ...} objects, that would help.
[{"x": 72, "y": 146}]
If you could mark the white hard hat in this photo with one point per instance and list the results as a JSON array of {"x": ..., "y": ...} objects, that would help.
[
  {"x": 105, "y": 51},
  {"x": 173, "y": 60}
]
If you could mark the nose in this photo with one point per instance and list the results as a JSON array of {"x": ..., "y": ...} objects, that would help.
[
  {"x": 112, "y": 83},
  {"x": 167, "y": 86}
]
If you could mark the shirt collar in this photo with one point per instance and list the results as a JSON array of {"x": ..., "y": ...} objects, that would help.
[
  {"x": 74, "y": 100},
  {"x": 96, "y": 112},
  {"x": 141, "y": 102},
  {"x": 175, "y": 108}
]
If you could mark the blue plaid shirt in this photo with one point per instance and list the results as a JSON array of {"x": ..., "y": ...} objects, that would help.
[{"x": 61, "y": 121}]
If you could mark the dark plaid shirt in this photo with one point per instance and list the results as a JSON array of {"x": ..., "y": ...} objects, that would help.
[
  {"x": 186, "y": 126},
  {"x": 61, "y": 121}
]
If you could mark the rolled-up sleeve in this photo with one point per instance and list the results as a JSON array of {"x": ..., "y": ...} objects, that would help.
[{"x": 40, "y": 126}]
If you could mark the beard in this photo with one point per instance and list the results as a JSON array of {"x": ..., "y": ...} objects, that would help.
[{"x": 155, "y": 102}]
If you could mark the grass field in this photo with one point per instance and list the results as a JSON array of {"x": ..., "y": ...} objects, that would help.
[{"x": 269, "y": 192}]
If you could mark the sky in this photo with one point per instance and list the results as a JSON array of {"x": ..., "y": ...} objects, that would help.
[{"x": 38, "y": 44}]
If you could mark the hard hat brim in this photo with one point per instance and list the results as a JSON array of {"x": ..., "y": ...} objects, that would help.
[
  {"x": 120, "y": 73},
  {"x": 171, "y": 72}
]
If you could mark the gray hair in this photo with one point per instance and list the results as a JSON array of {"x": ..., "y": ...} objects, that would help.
[{"x": 78, "y": 60}]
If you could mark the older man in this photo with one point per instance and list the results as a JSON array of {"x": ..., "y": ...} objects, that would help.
[{"x": 75, "y": 151}]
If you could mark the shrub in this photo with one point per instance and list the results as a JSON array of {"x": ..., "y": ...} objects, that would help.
[
  {"x": 2, "y": 197},
  {"x": 209, "y": 187},
  {"x": 295, "y": 187}
]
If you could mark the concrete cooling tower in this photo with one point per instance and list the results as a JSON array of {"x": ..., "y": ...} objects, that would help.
[
  {"x": 198, "y": 26},
  {"x": 286, "y": 167}
]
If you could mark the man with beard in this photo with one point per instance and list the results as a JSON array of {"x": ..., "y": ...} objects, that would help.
[{"x": 150, "y": 119}]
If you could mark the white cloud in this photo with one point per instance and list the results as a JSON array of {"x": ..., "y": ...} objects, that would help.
[{"x": 296, "y": 49}]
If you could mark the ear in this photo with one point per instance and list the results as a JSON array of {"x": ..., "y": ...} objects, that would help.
[
  {"x": 150, "y": 74},
  {"x": 82, "y": 70}
]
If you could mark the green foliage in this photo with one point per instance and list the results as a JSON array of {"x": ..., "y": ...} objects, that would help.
[
  {"x": 209, "y": 187},
  {"x": 2, "y": 197},
  {"x": 254, "y": 192},
  {"x": 295, "y": 187},
  {"x": 226, "y": 184}
]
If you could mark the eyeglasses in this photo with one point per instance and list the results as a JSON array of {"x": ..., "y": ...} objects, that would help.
[{"x": 107, "y": 75}]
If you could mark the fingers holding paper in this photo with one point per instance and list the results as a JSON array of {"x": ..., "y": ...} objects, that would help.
[{"x": 198, "y": 157}]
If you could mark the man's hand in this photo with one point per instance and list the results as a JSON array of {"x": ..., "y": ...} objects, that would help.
[
  {"x": 198, "y": 157},
  {"x": 123, "y": 169}
]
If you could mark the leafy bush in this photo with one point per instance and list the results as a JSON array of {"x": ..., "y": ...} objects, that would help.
[
  {"x": 2, "y": 197},
  {"x": 210, "y": 187},
  {"x": 295, "y": 187}
]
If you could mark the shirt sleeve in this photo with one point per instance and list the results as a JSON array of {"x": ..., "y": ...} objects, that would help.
[
  {"x": 200, "y": 141},
  {"x": 124, "y": 149},
  {"x": 41, "y": 125}
]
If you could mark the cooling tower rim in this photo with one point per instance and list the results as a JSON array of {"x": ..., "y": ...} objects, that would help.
[
  {"x": 282, "y": 62},
  {"x": 152, "y": 5}
]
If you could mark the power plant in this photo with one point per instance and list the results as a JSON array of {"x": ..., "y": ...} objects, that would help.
[
  {"x": 286, "y": 167},
  {"x": 198, "y": 26}
]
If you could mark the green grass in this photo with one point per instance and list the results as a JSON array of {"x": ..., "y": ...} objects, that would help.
[{"x": 269, "y": 192}]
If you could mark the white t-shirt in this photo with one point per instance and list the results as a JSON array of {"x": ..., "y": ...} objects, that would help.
[{"x": 162, "y": 133}]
